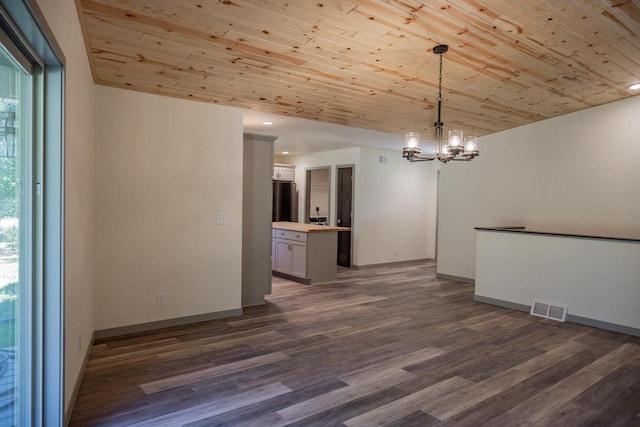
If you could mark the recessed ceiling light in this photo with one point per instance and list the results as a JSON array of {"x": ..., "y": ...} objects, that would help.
[
  {"x": 635, "y": 86},
  {"x": 267, "y": 123},
  {"x": 285, "y": 152}
]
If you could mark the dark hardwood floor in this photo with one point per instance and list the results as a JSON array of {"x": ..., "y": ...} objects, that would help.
[{"x": 383, "y": 346}]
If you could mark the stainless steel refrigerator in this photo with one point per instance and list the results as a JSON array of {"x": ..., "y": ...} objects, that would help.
[{"x": 285, "y": 201}]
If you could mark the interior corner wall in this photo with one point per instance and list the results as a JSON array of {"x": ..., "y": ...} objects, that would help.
[
  {"x": 578, "y": 170},
  {"x": 394, "y": 203},
  {"x": 61, "y": 16},
  {"x": 164, "y": 168},
  {"x": 395, "y": 208}
]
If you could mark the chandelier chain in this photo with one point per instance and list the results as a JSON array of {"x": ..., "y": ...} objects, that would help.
[{"x": 440, "y": 81}]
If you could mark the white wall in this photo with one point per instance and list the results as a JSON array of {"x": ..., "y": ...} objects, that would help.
[
  {"x": 579, "y": 170},
  {"x": 319, "y": 192},
  {"x": 394, "y": 203},
  {"x": 79, "y": 187},
  {"x": 164, "y": 167},
  {"x": 595, "y": 279},
  {"x": 395, "y": 208}
]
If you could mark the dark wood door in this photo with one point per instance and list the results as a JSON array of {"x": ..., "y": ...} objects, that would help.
[{"x": 344, "y": 209}]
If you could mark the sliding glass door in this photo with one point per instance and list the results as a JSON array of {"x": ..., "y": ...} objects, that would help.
[
  {"x": 31, "y": 218},
  {"x": 16, "y": 239}
]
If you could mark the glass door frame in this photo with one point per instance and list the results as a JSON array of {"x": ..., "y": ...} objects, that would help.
[
  {"x": 29, "y": 238},
  {"x": 23, "y": 22}
]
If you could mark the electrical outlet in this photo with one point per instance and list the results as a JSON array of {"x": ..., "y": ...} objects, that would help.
[
  {"x": 161, "y": 298},
  {"x": 222, "y": 218},
  {"x": 395, "y": 251},
  {"x": 525, "y": 289}
]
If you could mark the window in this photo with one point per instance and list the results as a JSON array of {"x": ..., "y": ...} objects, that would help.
[{"x": 31, "y": 218}]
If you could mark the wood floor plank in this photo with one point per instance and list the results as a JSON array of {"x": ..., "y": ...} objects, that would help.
[
  {"x": 389, "y": 345},
  {"x": 566, "y": 414},
  {"x": 454, "y": 401},
  {"x": 145, "y": 356},
  {"x": 464, "y": 290},
  {"x": 209, "y": 373},
  {"x": 383, "y": 379},
  {"x": 408, "y": 404},
  {"x": 536, "y": 408},
  {"x": 487, "y": 410},
  {"x": 336, "y": 415},
  {"x": 399, "y": 361},
  {"x": 251, "y": 340},
  {"x": 263, "y": 413},
  {"x": 397, "y": 320},
  {"x": 607, "y": 390},
  {"x": 214, "y": 407},
  {"x": 103, "y": 350}
]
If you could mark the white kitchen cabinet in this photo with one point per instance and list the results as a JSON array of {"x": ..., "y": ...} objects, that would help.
[
  {"x": 299, "y": 259},
  {"x": 273, "y": 253},
  {"x": 306, "y": 257},
  {"x": 290, "y": 253},
  {"x": 284, "y": 172}
]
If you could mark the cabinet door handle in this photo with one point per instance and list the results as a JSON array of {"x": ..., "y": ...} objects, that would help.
[{"x": 289, "y": 247}]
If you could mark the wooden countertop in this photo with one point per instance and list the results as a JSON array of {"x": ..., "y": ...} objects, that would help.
[{"x": 307, "y": 228}]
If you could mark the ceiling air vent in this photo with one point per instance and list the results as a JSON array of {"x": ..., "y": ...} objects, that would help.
[{"x": 549, "y": 310}]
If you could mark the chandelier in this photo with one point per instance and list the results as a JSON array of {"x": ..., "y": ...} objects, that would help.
[{"x": 455, "y": 148}]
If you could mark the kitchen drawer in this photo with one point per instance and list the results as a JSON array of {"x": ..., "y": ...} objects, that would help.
[{"x": 291, "y": 235}]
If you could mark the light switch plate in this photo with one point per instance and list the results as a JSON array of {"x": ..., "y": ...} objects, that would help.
[{"x": 161, "y": 299}]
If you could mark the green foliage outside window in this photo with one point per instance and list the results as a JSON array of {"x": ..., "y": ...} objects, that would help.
[{"x": 8, "y": 187}]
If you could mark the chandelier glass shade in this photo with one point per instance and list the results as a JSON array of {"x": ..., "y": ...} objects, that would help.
[{"x": 455, "y": 147}]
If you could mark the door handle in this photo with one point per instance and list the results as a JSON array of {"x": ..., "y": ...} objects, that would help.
[{"x": 338, "y": 221}]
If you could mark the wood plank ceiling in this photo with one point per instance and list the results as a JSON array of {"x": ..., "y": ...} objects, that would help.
[{"x": 368, "y": 63}]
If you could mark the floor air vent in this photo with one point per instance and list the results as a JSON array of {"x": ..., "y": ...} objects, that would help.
[{"x": 549, "y": 311}]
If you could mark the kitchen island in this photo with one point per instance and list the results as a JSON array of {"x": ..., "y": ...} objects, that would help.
[{"x": 305, "y": 253}]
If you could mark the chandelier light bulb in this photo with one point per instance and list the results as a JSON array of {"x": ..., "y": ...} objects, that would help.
[
  {"x": 470, "y": 147},
  {"x": 455, "y": 138},
  {"x": 470, "y": 143},
  {"x": 411, "y": 140}
]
